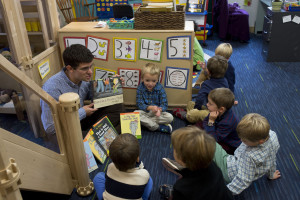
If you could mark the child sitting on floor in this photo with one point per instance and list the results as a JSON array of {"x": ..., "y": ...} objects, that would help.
[
  {"x": 216, "y": 68},
  {"x": 152, "y": 102},
  {"x": 225, "y": 50},
  {"x": 124, "y": 180},
  {"x": 255, "y": 157},
  {"x": 221, "y": 122},
  {"x": 201, "y": 178}
]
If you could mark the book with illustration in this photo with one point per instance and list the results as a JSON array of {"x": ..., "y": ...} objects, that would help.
[
  {"x": 130, "y": 123},
  {"x": 104, "y": 133},
  {"x": 106, "y": 92},
  {"x": 98, "y": 152},
  {"x": 90, "y": 160}
]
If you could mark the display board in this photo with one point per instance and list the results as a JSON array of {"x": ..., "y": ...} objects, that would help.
[{"x": 141, "y": 47}]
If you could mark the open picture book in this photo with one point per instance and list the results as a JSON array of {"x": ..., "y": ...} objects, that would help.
[
  {"x": 106, "y": 92},
  {"x": 104, "y": 133},
  {"x": 98, "y": 152}
]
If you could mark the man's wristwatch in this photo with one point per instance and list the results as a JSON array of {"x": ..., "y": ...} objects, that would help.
[{"x": 210, "y": 124}]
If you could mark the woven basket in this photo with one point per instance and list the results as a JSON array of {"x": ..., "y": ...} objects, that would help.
[{"x": 159, "y": 20}]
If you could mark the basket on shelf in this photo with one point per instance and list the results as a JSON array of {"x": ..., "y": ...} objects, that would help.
[
  {"x": 120, "y": 24},
  {"x": 173, "y": 20}
]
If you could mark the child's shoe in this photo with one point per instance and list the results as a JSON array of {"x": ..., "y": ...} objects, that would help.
[
  {"x": 166, "y": 191},
  {"x": 165, "y": 128},
  {"x": 172, "y": 166},
  {"x": 180, "y": 113}
]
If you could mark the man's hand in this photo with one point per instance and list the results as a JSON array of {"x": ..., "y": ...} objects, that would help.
[
  {"x": 89, "y": 110},
  {"x": 121, "y": 78},
  {"x": 213, "y": 116},
  {"x": 276, "y": 175}
]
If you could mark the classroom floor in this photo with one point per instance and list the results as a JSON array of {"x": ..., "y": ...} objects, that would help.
[{"x": 270, "y": 89}]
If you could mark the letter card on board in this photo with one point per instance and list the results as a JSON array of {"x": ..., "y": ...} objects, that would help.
[
  {"x": 151, "y": 49},
  {"x": 179, "y": 47},
  {"x": 74, "y": 40},
  {"x": 131, "y": 77},
  {"x": 98, "y": 46},
  {"x": 176, "y": 77},
  {"x": 124, "y": 48}
]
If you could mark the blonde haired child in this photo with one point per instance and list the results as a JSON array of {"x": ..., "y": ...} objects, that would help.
[{"x": 152, "y": 102}]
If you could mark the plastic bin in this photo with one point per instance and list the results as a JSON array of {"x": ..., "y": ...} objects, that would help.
[
  {"x": 209, "y": 28},
  {"x": 200, "y": 37},
  {"x": 121, "y": 24}
]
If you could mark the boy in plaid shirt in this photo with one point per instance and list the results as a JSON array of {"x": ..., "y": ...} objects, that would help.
[{"x": 255, "y": 157}]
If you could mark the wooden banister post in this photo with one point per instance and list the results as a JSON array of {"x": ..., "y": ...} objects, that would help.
[
  {"x": 69, "y": 104},
  {"x": 9, "y": 176}
]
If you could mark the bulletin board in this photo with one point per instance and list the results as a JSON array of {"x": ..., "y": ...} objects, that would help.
[{"x": 175, "y": 73}]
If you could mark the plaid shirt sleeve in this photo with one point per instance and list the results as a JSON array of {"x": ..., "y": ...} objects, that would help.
[
  {"x": 139, "y": 99},
  {"x": 245, "y": 175},
  {"x": 163, "y": 99}
]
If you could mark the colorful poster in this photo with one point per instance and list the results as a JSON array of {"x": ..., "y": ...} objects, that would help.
[
  {"x": 151, "y": 49},
  {"x": 74, "y": 40},
  {"x": 176, "y": 77},
  {"x": 131, "y": 77},
  {"x": 179, "y": 47},
  {"x": 102, "y": 73},
  {"x": 105, "y": 7},
  {"x": 124, "y": 48},
  {"x": 98, "y": 46}
]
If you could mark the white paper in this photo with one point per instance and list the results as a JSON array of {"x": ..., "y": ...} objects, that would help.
[
  {"x": 176, "y": 78},
  {"x": 287, "y": 18},
  {"x": 74, "y": 40},
  {"x": 150, "y": 49},
  {"x": 131, "y": 77},
  {"x": 296, "y": 19},
  {"x": 179, "y": 47},
  {"x": 98, "y": 47},
  {"x": 124, "y": 49}
]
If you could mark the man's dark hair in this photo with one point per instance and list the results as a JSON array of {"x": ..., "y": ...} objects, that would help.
[
  {"x": 124, "y": 151},
  {"x": 76, "y": 54}
]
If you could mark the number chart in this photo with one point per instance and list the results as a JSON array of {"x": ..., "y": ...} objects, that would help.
[
  {"x": 131, "y": 77},
  {"x": 104, "y": 7},
  {"x": 98, "y": 46},
  {"x": 151, "y": 49},
  {"x": 176, "y": 77},
  {"x": 74, "y": 40},
  {"x": 102, "y": 73},
  {"x": 179, "y": 47},
  {"x": 124, "y": 48}
]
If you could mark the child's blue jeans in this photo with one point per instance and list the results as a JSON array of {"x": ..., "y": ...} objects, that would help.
[{"x": 99, "y": 184}]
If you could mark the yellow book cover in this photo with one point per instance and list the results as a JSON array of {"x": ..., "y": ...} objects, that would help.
[
  {"x": 131, "y": 123},
  {"x": 96, "y": 149}
]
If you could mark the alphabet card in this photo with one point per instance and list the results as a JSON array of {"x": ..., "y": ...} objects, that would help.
[
  {"x": 176, "y": 77},
  {"x": 151, "y": 49},
  {"x": 179, "y": 47},
  {"x": 98, "y": 46},
  {"x": 74, "y": 40},
  {"x": 131, "y": 77},
  {"x": 102, "y": 73},
  {"x": 125, "y": 48}
]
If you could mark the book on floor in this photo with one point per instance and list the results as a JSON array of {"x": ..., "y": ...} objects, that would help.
[
  {"x": 131, "y": 123},
  {"x": 98, "y": 152},
  {"x": 106, "y": 92},
  {"x": 90, "y": 160},
  {"x": 104, "y": 133}
]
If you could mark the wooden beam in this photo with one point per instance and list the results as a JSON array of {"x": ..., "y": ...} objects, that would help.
[
  {"x": 43, "y": 23},
  {"x": 16, "y": 30}
]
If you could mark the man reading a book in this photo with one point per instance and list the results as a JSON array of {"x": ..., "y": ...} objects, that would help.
[{"x": 75, "y": 77}]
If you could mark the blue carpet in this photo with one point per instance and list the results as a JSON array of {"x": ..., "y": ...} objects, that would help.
[{"x": 271, "y": 89}]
